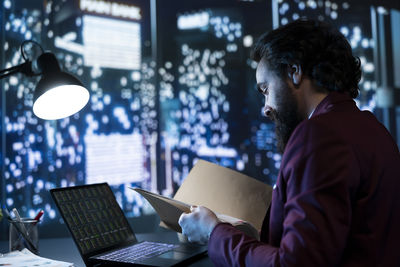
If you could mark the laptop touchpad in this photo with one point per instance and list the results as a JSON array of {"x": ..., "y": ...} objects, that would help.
[{"x": 173, "y": 255}]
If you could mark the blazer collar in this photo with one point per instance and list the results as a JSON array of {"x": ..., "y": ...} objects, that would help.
[{"x": 330, "y": 101}]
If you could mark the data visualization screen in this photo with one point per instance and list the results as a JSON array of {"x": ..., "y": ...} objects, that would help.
[{"x": 93, "y": 216}]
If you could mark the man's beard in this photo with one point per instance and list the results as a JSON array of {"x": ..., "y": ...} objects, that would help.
[{"x": 286, "y": 117}]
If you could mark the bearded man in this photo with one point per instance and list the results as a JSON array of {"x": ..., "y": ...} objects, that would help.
[{"x": 336, "y": 200}]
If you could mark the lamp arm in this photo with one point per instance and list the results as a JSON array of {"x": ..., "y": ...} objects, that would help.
[{"x": 25, "y": 68}]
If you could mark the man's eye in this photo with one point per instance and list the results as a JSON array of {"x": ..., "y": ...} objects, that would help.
[{"x": 262, "y": 88}]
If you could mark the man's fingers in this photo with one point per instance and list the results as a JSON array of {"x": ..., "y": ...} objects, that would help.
[
  {"x": 196, "y": 224},
  {"x": 182, "y": 218},
  {"x": 193, "y": 207}
]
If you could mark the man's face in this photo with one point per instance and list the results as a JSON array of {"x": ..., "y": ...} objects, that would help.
[{"x": 280, "y": 103}]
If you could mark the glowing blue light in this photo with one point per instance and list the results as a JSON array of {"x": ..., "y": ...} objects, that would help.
[
  {"x": 367, "y": 85},
  {"x": 193, "y": 21},
  {"x": 7, "y": 4},
  {"x": 369, "y": 67},
  {"x": 365, "y": 43},
  {"x": 52, "y": 214},
  {"x": 107, "y": 99},
  {"x": 31, "y": 213},
  {"x": 28, "y": 35},
  {"x": 17, "y": 173},
  {"x": 353, "y": 43},
  {"x": 344, "y": 30},
  {"x": 328, "y": 3},
  {"x": 17, "y": 146},
  {"x": 136, "y": 76},
  {"x": 225, "y": 29},
  {"x": 39, "y": 184},
  {"x": 357, "y": 31},
  {"x": 10, "y": 202},
  {"x": 9, "y": 188},
  {"x": 382, "y": 10},
  {"x": 123, "y": 81}
]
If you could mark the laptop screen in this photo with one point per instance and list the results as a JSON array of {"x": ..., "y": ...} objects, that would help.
[{"x": 93, "y": 216}]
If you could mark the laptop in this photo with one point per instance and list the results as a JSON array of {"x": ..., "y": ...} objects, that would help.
[{"x": 103, "y": 235}]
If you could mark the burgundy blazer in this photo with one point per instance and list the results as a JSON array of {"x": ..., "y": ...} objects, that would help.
[{"x": 336, "y": 200}]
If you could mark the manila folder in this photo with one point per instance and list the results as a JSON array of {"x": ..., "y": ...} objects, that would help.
[
  {"x": 226, "y": 191},
  {"x": 167, "y": 208}
]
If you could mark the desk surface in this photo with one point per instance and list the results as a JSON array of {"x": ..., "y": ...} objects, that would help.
[{"x": 64, "y": 249}]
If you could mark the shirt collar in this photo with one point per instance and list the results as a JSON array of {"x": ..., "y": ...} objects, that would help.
[{"x": 309, "y": 116}]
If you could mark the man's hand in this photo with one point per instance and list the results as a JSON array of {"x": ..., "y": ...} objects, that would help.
[{"x": 198, "y": 224}]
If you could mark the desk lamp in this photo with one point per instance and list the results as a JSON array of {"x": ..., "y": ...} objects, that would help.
[{"x": 57, "y": 94}]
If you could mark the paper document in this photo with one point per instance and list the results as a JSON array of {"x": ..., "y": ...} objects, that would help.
[
  {"x": 170, "y": 210},
  {"x": 167, "y": 208},
  {"x": 26, "y": 258},
  {"x": 227, "y": 192}
]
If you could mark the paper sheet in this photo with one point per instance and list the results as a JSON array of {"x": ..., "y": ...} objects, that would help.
[{"x": 25, "y": 258}]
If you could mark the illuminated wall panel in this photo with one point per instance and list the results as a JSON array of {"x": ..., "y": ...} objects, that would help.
[
  {"x": 115, "y": 158},
  {"x": 111, "y": 43}
]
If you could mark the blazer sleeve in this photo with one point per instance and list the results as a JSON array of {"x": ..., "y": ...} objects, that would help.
[{"x": 316, "y": 186}]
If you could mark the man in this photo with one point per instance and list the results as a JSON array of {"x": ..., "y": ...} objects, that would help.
[{"x": 336, "y": 201}]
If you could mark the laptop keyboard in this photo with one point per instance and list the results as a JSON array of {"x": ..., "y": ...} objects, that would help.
[{"x": 138, "y": 252}]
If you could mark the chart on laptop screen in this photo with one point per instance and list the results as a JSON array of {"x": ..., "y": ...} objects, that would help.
[{"x": 93, "y": 216}]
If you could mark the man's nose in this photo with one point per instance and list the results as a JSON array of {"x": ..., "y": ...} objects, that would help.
[{"x": 267, "y": 111}]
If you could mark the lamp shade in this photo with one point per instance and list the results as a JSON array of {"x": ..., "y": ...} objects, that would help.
[{"x": 58, "y": 94}]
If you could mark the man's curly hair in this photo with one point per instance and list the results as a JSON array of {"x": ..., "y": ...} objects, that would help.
[{"x": 323, "y": 53}]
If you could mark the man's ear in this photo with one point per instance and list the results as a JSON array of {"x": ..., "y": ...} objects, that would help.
[{"x": 295, "y": 74}]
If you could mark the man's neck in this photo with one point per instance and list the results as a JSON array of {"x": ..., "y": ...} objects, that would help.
[
  {"x": 313, "y": 102},
  {"x": 309, "y": 97}
]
